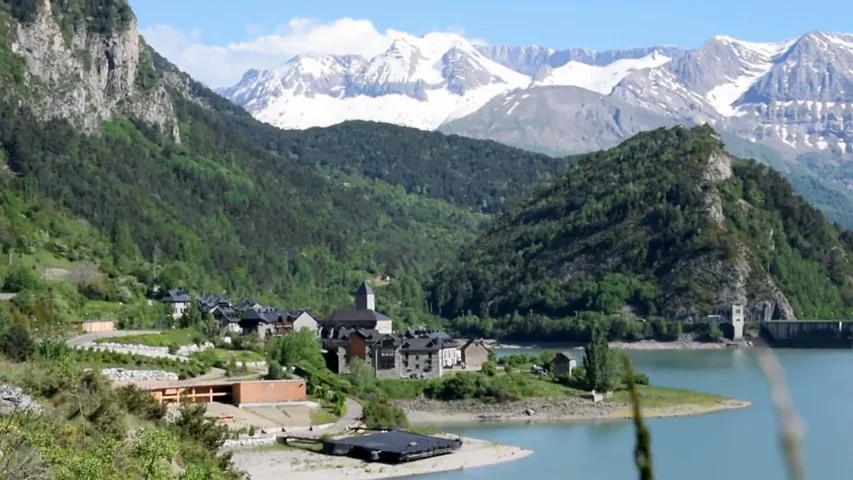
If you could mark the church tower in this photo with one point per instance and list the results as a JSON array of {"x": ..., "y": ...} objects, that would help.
[{"x": 364, "y": 298}]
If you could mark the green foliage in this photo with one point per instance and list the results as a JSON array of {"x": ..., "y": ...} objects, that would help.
[
  {"x": 301, "y": 348},
  {"x": 378, "y": 413},
  {"x": 597, "y": 362},
  {"x": 483, "y": 175},
  {"x": 274, "y": 371},
  {"x": 20, "y": 278},
  {"x": 140, "y": 403},
  {"x": 629, "y": 230},
  {"x": 16, "y": 344}
]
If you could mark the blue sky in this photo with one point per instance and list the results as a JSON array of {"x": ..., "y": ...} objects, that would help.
[
  {"x": 596, "y": 24},
  {"x": 557, "y": 23}
]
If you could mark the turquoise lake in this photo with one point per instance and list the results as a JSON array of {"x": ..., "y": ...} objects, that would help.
[{"x": 736, "y": 444}]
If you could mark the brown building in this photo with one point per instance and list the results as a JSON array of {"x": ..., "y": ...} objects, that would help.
[
  {"x": 229, "y": 391},
  {"x": 378, "y": 350},
  {"x": 91, "y": 326},
  {"x": 564, "y": 363},
  {"x": 475, "y": 353}
]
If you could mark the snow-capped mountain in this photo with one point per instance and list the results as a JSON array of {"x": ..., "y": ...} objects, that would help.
[
  {"x": 795, "y": 95},
  {"x": 418, "y": 81}
]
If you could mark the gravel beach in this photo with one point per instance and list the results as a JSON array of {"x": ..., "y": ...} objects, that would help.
[
  {"x": 434, "y": 413},
  {"x": 293, "y": 464}
]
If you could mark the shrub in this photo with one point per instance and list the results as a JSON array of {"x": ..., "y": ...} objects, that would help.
[
  {"x": 16, "y": 344},
  {"x": 20, "y": 278},
  {"x": 380, "y": 414},
  {"x": 275, "y": 372},
  {"x": 140, "y": 403}
]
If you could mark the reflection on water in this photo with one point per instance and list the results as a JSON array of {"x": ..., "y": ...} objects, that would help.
[{"x": 737, "y": 444}]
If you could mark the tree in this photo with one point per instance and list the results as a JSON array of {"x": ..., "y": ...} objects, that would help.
[
  {"x": 301, "y": 348},
  {"x": 596, "y": 361},
  {"x": 380, "y": 414},
  {"x": 20, "y": 278},
  {"x": 361, "y": 376},
  {"x": 16, "y": 344},
  {"x": 192, "y": 316}
]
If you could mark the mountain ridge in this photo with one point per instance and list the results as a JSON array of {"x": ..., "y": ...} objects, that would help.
[{"x": 667, "y": 223}]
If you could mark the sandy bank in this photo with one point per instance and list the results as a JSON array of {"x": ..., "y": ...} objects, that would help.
[
  {"x": 640, "y": 345},
  {"x": 292, "y": 464},
  {"x": 425, "y": 412}
]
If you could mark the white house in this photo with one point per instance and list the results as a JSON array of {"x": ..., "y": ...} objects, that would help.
[
  {"x": 305, "y": 321},
  {"x": 179, "y": 300}
]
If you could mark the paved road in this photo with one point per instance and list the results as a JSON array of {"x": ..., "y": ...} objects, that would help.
[{"x": 88, "y": 338}]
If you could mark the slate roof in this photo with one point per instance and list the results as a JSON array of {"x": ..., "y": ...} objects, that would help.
[
  {"x": 247, "y": 304},
  {"x": 351, "y": 315},
  {"x": 176, "y": 296},
  {"x": 364, "y": 289},
  {"x": 369, "y": 334},
  {"x": 567, "y": 355},
  {"x": 422, "y": 344},
  {"x": 267, "y": 315},
  {"x": 209, "y": 301}
]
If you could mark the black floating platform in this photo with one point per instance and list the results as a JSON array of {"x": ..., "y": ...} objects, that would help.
[{"x": 395, "y": 446}]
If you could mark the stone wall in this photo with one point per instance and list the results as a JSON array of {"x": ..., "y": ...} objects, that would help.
[
  {"x": 126, "y": 375},
  {"x": 182, "y": 353}
]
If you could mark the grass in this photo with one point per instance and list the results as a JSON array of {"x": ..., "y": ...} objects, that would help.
[
  {"x": 168, "y": 338},
  {"x": 322, "y": 416},
  {"x": 102, "y": 309},
  {"x": 652, "y": 396},
  {"x": 221, "y": 355}
]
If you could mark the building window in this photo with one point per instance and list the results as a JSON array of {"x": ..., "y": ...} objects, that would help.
[{"x": 386, "y": 358}]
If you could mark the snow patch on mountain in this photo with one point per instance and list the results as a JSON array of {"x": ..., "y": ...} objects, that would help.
[
  {"x": 295, "y": 112},
  {"x": 758, "y": 58},
  {"x": 599, "y": 79}
]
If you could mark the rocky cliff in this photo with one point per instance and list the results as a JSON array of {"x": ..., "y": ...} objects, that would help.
[{"x": 83, "y": 72}]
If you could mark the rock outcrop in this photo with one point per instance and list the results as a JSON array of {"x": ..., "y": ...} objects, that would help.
[{"x": 88, "y": 77}]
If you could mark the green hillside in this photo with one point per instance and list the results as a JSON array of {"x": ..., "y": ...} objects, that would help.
[
  {"x": 664, "y": 224},
  {"x": 215, "y": 209}
]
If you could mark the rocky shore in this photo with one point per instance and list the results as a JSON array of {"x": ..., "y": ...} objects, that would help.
[{"x": 432, "y": 412}]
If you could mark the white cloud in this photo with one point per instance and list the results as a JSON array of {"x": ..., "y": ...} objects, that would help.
[{"x": 220, "y": 66}]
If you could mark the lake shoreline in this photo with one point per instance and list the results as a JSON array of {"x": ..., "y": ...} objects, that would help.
[
  {"x": 640, "y": 345},
  {"x": 295, "y": 464},
  {"x": 436, "y": 414}
]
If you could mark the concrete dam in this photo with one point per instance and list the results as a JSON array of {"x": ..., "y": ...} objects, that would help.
[{"x": 807, "y": 333}]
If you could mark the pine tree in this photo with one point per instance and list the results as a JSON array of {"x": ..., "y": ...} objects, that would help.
[{"x": 596, "y": 361}]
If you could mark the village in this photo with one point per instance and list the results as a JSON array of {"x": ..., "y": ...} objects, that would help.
[
  {"x": 359, "y": 332},
  {"x": 299, "y": 407}
]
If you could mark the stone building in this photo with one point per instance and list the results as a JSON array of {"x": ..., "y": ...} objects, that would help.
[
  {"x": 474, "y": 353},
  {"x": 564, "y": 363},
  {"x": 364, "y": 315},
  {"x": 381, "y": 351}
]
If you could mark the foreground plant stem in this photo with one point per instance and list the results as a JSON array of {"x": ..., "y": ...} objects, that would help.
[
  {"x": 643, "y": 448},
  {"x": 791, "y": 432}
]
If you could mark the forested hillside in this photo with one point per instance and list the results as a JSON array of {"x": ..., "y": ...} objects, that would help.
[
  {"x": 664, "y": 224},
  {"x": 217, "y": 211}
]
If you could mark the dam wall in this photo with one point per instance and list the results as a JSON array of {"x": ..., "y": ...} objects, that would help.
[{"x": 807, "y": 333}]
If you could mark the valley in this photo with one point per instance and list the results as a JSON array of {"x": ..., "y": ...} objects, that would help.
[{"x": 660, "y": 196}]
